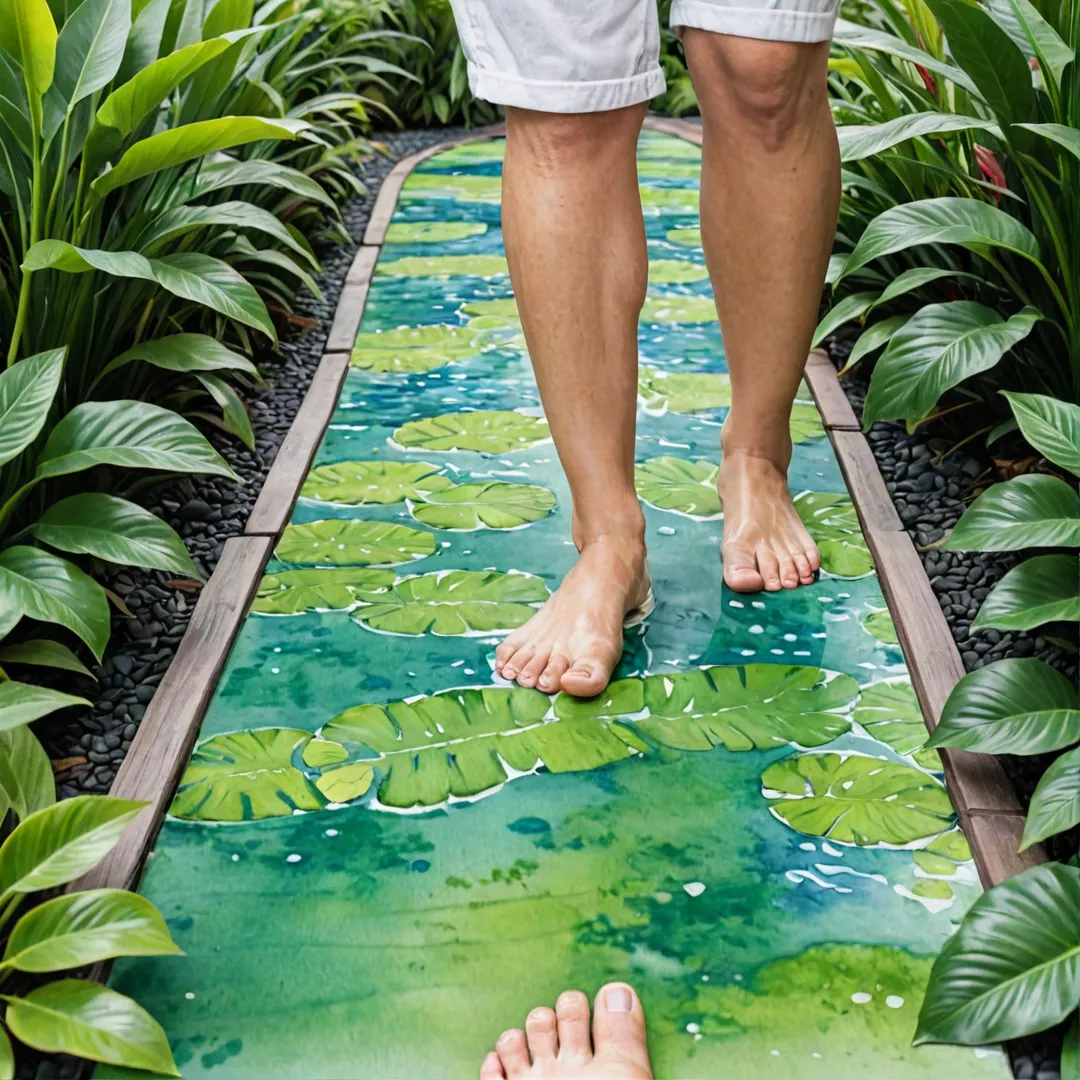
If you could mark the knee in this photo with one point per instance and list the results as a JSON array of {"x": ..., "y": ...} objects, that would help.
[{"x": 559, "y": 142}]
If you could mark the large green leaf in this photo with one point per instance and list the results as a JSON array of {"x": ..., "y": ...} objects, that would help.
[
  {"x": 28, "y": 35},
  {"x": 86, "y": 927},
  {"x": 115, "y": 530},
  {"x": 453, "y": 602},
  {"x": 1017, "y": 706},
  {"x": 233, "y": 410},
  {"x": 131, "y": 435},
  {"x": 486, "y": 431},
  {"x": 491, "y": 504},
  {"x": 52, "y": 590},
  {"x": 1051, "y": 426},
  {"x": 685, "y": 487},
  {"x": 1028, "y": 511},
  {"x": 890, "y": 713},
  {"x": 852, "y": 307},
  {"x": 175, "y": 146},
  {"x": 856, "y": 800},
  {"x": 227, "y": 172},
  {"x": 1055, "y": 804},
  {"x": 1053, "y": 53},
  {"x": 916, "y": 278},
  {"x": 26, "y": 776},
  {"x": 1066, "y": 137},
  {"x": 63, "y": 841},
  {"x": 947, "y": 220},
  {"x": 291, "y": 592},
  {"x": 22, "y": 703},
  {"x": 866, "y": 140},
  {"x": 1040, "y": 590},
  {"x": 7, "y": 1057},
  {"x": 936, "y": 349},
  {"x": 90, "y": 1021},
  {"x": 41, "y": 652},
  {"x": 27, "y": 390},
  {"x": 833, "y": 523},
  {"x": 444, "y": 266},
  {"x": 411, "y": 349},
  {"x": 344, "y": 542},
  {"x": 363, "y": 483},
  {"x": 1013, "y": 967},
  {"x": 90, "y": 48},
  {"x": 68, "y": 259},
  {"x": 683, "y": 391},
  {"x": 184, "y": 353},
  {"x": 872, "y": 338}
]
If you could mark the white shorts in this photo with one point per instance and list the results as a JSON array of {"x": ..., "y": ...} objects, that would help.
[{"x": 569, "y": 56}]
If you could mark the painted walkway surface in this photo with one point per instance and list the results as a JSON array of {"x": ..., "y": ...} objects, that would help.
[{"x": 382, "y": 855}]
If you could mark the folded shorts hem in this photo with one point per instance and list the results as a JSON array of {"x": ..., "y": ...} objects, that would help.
[
  {"x": 767, "y": 24},
  {"x": 565, "y": 97}
]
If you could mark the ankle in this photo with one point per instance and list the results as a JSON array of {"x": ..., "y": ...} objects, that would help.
[
  {"x": 625, "y": 534},
  {"x": 767, "y": 442}
]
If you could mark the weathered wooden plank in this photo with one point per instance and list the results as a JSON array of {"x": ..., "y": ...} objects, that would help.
[
  {"x": 994, "y": 839},
  {"x": 274, "y": 506},
  {"x": 347, "y": 318},
  {"x": 864, "y": 482},
  {"x": 161, "y": 747},
  {"x": 836, "y": 411}
]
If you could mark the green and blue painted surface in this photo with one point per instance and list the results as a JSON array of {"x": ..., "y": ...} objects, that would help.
[{"x": 382, "y": 855}]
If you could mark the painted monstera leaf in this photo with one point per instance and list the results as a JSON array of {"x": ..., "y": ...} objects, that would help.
[
  {"x": 890, "y": 713},
  {"x": 879, "y": 624},
  {"x": 676, "y": 272},
  {"x": 415, "y": 266},
  {"x": 466, "y": 188},
  {"x": 686, "y": 487},
  {"x": 245, "y": 776},
  {"x": 343, "y": 542},
  {"x": 683, "y": 391},
  {"x": 806, "y": 423},
  {"x": 492, "y": 504},
  {"x": 944, "y": 854},
  {"x": 690, "y": 238},
  {"x": 856, "y": 800},
  {"x": 433, "y": 232},
  {"x": 486, "y": 431},
  {"x": 454, "y": 602},
  {"x": 412, "y": 349},
  {"x": 380, "y": 483},
  {"x": 499, "y": 309},
  {"x": 679, "y": 309},
  {"x": 292, "y": 592},
  {"x": 832, "y": 522}
]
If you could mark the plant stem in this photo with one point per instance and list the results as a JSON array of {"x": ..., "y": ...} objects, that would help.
[{"x": 36, "y": 211}]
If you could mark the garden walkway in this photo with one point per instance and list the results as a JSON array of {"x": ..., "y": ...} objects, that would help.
[{"x": 380, "y": 855}]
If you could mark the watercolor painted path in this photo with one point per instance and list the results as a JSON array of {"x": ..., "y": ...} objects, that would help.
[{"x": 380, "y": 855}]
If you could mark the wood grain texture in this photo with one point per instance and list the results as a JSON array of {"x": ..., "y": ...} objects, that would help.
[
  {"x": 836, "y": 411},
  {"x": 162, "y": 745},
  {"x": 864, "y": 482},
  {"x": 363, "y": 266},
  {"x": 994, "y": 839},
  {"x": 347, "y": 318},
  {"x": 274, "y": 506}
]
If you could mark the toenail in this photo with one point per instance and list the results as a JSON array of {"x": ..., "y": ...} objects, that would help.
[
  {"x": 506, "y": 1038},
  {"x": 618, "y": 999}
]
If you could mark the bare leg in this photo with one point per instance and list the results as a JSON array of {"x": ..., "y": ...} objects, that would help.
[
  {"x": 557, "y": 1043},
  {"x": 770, "y": 193},
  {"x": 575, "y": 240}
]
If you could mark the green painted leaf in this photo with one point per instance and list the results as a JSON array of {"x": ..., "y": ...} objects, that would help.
[
  {"x": 115, "y": 530},
  {"x": 867, "y": 140},
  {"x": 1055, "y": 805},
  {"x": 833, "y": 523},
  {"x": 453, "y": 602},
  {"x": 22, "y": 703},
  {"x": 491, "y": 504},
  {"x": 1028, "y": 511},
  {"x": 890, "y": 713},
  {"x": 344, "y": 542},
  {"x": 433, "y": 232},
  {"x": 504, "y": 309},
  {"x": 464, "y": 188},
  {"x": 690, "y": 238},
  {"x": 1017, "y": 706},
  {"x": 936, "y": 349},
  {"x": 676, "y": 271},
  {"x": 686, "y": 487},
  {"x": 872, "y": 338},
  {"x": 679, "y": 309},
  {"x": 27, "y": 390},
  {"x": 291, "y": 592},
  {"x": 485, "y": 431},
  {"x": 933, "y": 889},
  {"x": 1012, "y": 967},
  {"x": 656, "y": 201},
  {"x": 413, "y": 349},
  {"x": 806, "y": 423},
  {"x": 847, "y": 310},
  {"x": 880, "y": 625},
  {"x": 246, "y": 776},
  {"x": 1040, "y": 590},
  {"x": 348, "y": 782},
  {"x": 486, "y": 266},
  {"x": 91, "y": 1021},
  {"x": 86, "y": 927},
  {"x": 683, "y": 391},
  {"x": 1051, "y": 426},
  {"x": 183, "y": 353},
  {"x": 856, "y": 800},
  {"x": 380, "y": 483}
]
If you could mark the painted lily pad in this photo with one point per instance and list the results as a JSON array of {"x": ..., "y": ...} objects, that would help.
[
  {"x": 445, "y": 266},
  {"x": 689, "y": 169},
  {"x": 686, "y": 487},
  {"x": 380, "y": 483},
  {"x": 346, "y": 782},
  {"x": 943, "y": 855},
  {"x": 879, "y": 624},
  {"x": 832, "y": 522},
  {"x": 933, "y": 889},
  {"x": 465, "y": 188},
  {"x": 683, "y": 391},
  {"x": 690, "y": 238},
  {"x": 246, "y": 776},
  {"x": 656, "y": 200},
  {"x": 492, "y": 504},
  {"x": 806, "y": 423},
  {"x": 472, "y": 153},
  {"x": 652, "y": 145},
  {"x": 890, "y": 713},
  {"x": 412, "y": 349},
  {"x": 292, "y": 592},
  {"x": 343, "y": 542},
  {"x": 433, "y": 232},
  {"x": 493, "y": 431},
  {"x": 678, "y": 309},
  {"x": 676, "y": 272},
  {"x": 856, "y": 800},
  {"x": 455, "y": 602},
  {"x": 504, "y": 309}
]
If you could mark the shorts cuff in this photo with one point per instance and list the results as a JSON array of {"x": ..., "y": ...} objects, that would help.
[
  {"x": 767, "y": 24},
  {"x": 566, "y": 97}
]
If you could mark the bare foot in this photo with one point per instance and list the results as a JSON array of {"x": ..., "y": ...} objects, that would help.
[
  {"x": 766, "y": 545},
  {"x": 575, "y": 640},
  {"x": 555, "y": 1045}
]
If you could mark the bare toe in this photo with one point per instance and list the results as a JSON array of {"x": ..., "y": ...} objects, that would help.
[
  {"x": 619, "y": 1032},
  {"x": 540, "y": 1031},
  {"x": 789, "y": 576},
  {"x": 802, "y": 567},
  {"x": 587, "y": 678},
  {"x": 535, "y": 667},
  {"x": 740, "y": 568},
  {"x": 813, "y": 556},
  {"x": 769, "y": 565},
  {"x": 492, "y": 1068},
  {"x": 572, "y": 1011},
  {"x": 551, "y": 679},
  {"x": 517, "y": 662},
  {"x": 505, "y": 650},
  {"x": 513, "y": 1053}
]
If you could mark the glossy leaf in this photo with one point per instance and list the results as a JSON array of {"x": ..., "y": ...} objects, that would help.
[
  {"x": 26, "y": 776},
  {"x": 867, "y": 140},
  {"x": 378, "y": 483},
  {"x": 7, "y": 1057},
  {"x": 1055, "y": 804},
  {"x": 184, "y": 353},
  {"x": 849, "y": 309},
  {"x": 1052, "y": 426},
  {"x": 22, "y": 703},
  {"x": 1068, "y": 138},
  {"x": 233, "y": 409},
  {"x": 41, "y": 652},
  {"x": 291, "y": 592},
  {"x": 486, "y": 431},
  {"x": 27, "y": 390},
  {"x": 489, "y": 504},
  {"x": 1040, "y": 590},
  {"x": 344, "y": 542},
  {"x": 69, "y": 259},
  {"x": 90, "y": 48},
  {"x": 28, "y": 35},
  {"x": 910, "y": 280},
  {"x": 872, "y": 338},
  {"x": 1032, "y": 510},
  {"x": 1053, "y": 53}
]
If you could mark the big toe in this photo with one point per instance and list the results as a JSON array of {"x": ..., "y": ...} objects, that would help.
[
  {"x": 619, "y": 1031},
  {"x": 587, "y": 678},
  {"x": 741, "y": 569}
]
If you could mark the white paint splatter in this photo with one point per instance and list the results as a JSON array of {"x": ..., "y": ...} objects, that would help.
[{"x": 693, "y": 888}]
